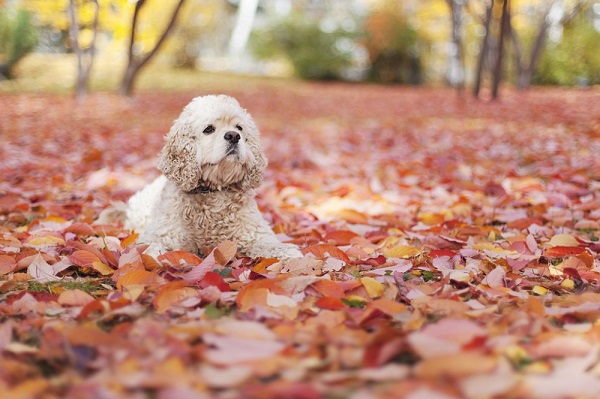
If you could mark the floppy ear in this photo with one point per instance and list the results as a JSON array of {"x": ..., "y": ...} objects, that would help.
[
  {"x": 178, "y": 157},
  {"x": 254, "y": 176}
]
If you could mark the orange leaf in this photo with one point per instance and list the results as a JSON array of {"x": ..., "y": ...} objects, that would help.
[
  {"x": 129, "y": 240},
  {"x": 74, "y": 298},
  {"x": 256, "y": 296},
  {"x": 83, "y": 258},
  {"x": 261, "y": 267},
  {"x": 137, "y": 277},
  {"x": 340, "y": 237},
  {"x": 80, "y": 229},
  {"x": 387, "y": 306},
  {"x": 328, "y": 288},
  {"x": 586, "y": 258},
  {"x": 352, "y": 216},
  {"x": 329, "y": 303},
  {"x": 149, "y": 262},
  {"x": 224, "y": 252},
  {"x": 171, "y": 294},
  {"x": 176, "y": 258},
  {"x": 7, "y": 264},
  {"x": 322, "y": 251},
  {"x": 522, "y": 224},
  {"x": 257, "y": 291}
]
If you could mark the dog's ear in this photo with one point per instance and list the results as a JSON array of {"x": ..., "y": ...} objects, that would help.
[
  {"x": 254, "y": 176},
  {"x": 178, "y": 157}
]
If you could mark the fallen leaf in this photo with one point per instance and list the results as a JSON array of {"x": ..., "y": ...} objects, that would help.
[{"x": 74, "y": 297}]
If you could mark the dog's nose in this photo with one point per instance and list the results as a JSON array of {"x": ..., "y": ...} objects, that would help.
[{"x": 232, "y": 137}]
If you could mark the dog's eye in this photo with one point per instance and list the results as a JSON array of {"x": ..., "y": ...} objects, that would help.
[
  {"x": 238, "y": 127},
  {"x": 209, "y": 129}
]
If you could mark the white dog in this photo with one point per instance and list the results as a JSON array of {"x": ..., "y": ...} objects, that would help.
[{"x": 211, "y": 164}]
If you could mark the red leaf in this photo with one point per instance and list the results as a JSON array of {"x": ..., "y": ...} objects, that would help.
[
  {"x": 214, "y": 279},
  {"x": 436, "y": 253},
  {"x": 329, "y": 303},
  {"x": 561, "y": 252}
]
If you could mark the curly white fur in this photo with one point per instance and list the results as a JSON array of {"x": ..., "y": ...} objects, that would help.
[{"x": 206, "y": 193}]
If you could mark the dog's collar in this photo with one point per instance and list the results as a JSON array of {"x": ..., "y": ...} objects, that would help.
[
  {"x": 204, "y": 190},
  {"x": 207, "y": 190}
]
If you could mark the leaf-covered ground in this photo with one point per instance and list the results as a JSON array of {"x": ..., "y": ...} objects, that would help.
[{"x": 451, "y": 251}]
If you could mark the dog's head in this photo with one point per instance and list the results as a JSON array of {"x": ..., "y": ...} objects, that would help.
[{"x": 213, "y": 144}]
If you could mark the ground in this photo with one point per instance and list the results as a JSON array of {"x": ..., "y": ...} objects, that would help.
[{"x": 451, "y": 250}]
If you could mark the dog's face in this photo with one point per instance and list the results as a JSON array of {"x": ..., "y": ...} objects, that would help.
[{"x": 213, "y": 144}]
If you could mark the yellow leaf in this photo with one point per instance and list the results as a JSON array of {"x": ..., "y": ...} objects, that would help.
[
  {"x": 563, "y": 240},
  {"x": 568, "y": 284},
  {"x": 355, "y": 298},
  {"x": 539, "y": 290},
  {"x": 101, "y": 268},
  {"x": 46, "y": 240},
  {"x": 431, "y": 219},
  {"x": 402, "y": 251},
  {"x": 132, "y": 292},
  {"x": 374, "y": 288}
]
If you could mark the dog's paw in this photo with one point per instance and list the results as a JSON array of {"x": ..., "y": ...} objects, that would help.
[
  {"x": 291, "y": 251},
  {"x": 155, "y": 250},
  {"x": 282, "y": 251}
]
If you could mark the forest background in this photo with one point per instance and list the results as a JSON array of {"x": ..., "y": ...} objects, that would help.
[{"x": 105, "y": 43}]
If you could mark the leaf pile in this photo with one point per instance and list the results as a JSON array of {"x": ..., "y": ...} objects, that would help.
[{"x": 450, "y": 251}]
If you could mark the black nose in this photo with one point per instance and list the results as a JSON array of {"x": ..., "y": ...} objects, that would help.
[{"x": 232, "y": 137}]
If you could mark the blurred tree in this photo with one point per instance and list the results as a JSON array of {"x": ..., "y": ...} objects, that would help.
[
  {"x": 456, "y": 66},
  {"x": 135, "y": 60},
  {"x": 17, "y": 38},
  {"x": 313, "y": 52},
  {"x": 557, "y": 12},
  {"x": 575, "y": 59},
  {"x": 85, "y": 52},
  {"x": 394, "y": 46},
  {"x": 492, "y": 46}
]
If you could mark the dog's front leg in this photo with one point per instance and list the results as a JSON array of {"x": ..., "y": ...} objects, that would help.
[{"x": 258, "y": 240}]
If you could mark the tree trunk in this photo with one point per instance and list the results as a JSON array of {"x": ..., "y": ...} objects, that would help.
[
  {"x": 85, "y": 57},
  {"x": 484, "y": 50},
  {"x": 497, "y": 77},
  {"x": 456, "y": 69},
  {"x": 136, "y": 63}
]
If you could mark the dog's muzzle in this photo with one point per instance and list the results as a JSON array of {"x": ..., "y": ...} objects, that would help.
[{"x": 232, "y": 139}]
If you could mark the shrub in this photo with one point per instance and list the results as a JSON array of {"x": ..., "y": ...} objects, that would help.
[
  {"x": 394, "y": 48},
  {"x": 574, "y": 60},
  {"x": 312, "y": 52},
  {"x": 17, "y": 38}
]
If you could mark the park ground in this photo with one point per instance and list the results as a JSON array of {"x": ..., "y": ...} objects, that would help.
[{"x": 451, "y": 249}]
